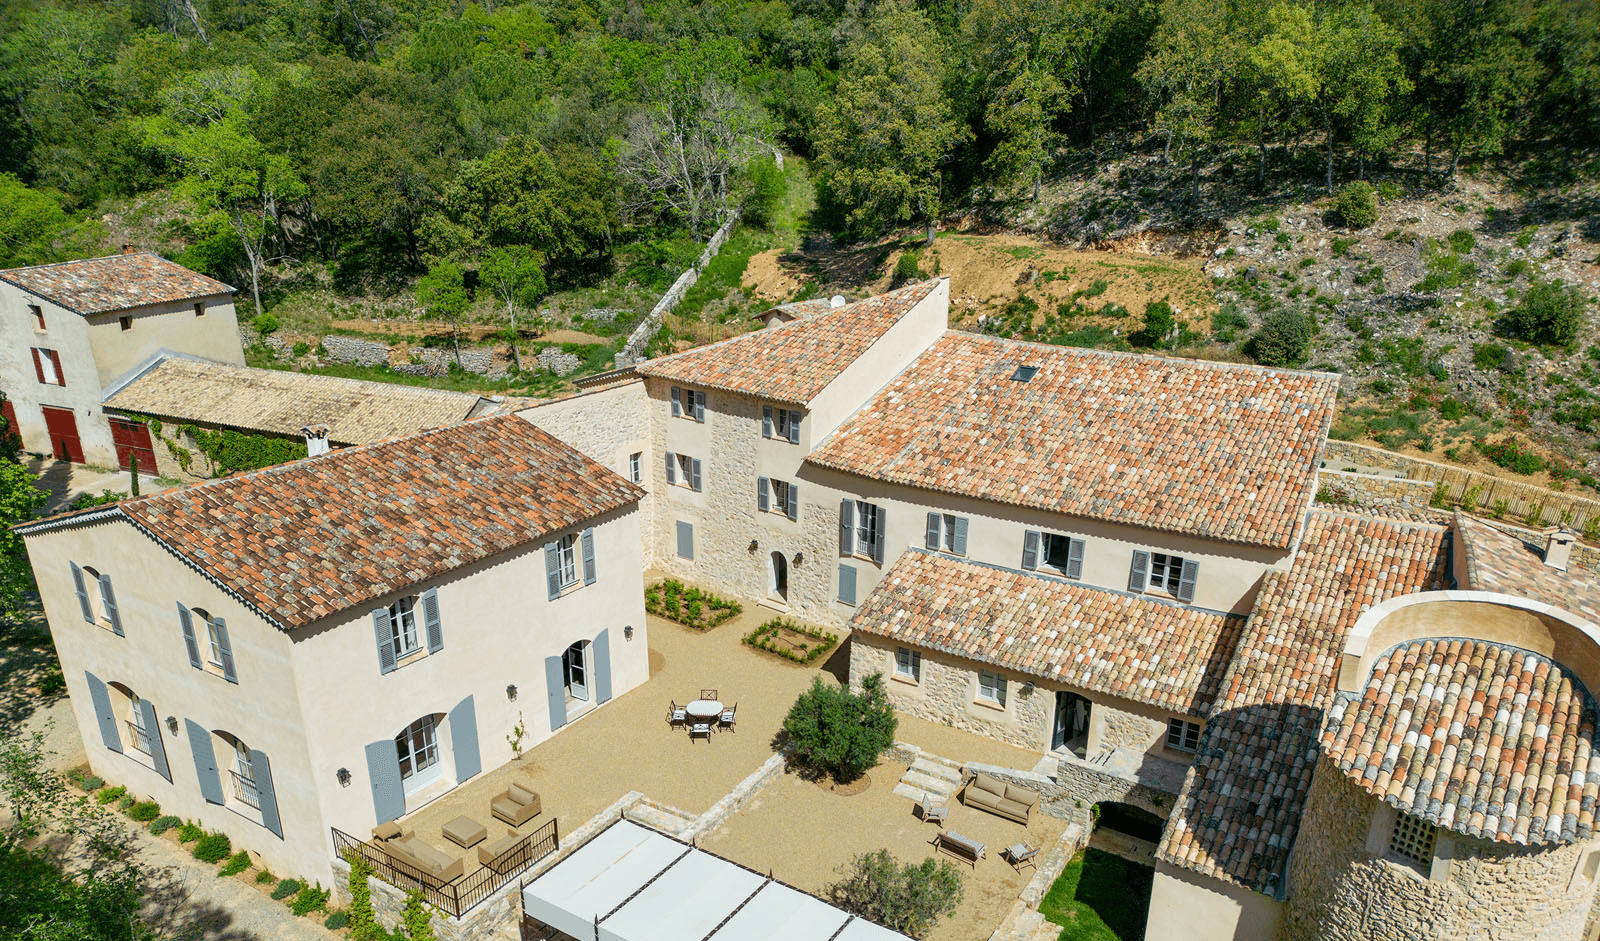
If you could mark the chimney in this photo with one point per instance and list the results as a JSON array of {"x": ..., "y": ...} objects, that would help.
[
  {"x": 128, "y": 249},
  {"x": 316, "y": 440},
  {"x": 1558, "y": 548}
]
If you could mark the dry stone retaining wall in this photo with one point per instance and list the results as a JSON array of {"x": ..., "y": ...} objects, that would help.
[{"x": 632, "y": 352}]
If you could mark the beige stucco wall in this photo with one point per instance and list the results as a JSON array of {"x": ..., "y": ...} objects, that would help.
[
  {"x": 262, "y": 709},
  {"x": 157, "y": 327},
  {"x": 1340, "y": 887},
  {"x": 947, "y": 693},
  {"x": 1188, "y": 906},
  {"x": 498, "y": 626}
]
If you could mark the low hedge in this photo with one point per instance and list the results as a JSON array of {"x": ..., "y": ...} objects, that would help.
[
  {"x": 236, "y": 864},
  {"x": 91, "y": 782},
  {"x": 765, "y": 638},
  {"x": 161, "y": 825},
  {"x": 213, "y": 848},
  {"x": 189, "y": 832},
  {"x": 287, "y": 888},
  {"x": 145, "y": 811},
  {"x": 310, "y": 900},
  {"x": 110, "y": 794},
  {"x": 336, "y": 920},
  {"x": 689, "y": 606}
]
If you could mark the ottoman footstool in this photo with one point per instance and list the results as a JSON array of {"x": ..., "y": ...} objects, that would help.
[{"x": 465, "y": 832}]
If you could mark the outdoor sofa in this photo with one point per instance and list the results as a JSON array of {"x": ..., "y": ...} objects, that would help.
[
  {"x": 1011, "y": 801},
  {"x": 437, "y": 867}
]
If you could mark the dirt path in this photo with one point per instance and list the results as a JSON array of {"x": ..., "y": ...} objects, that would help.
[{"x": 189, "y": 900}]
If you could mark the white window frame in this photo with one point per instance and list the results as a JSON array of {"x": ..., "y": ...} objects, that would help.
[
  {"x": 420, "y": 759},
  {"x": 1183, "y": 735},
  {"x": 213, "y": 644},
  {"x": 1171, "y": 568},
  {"x": 47, "y": 366},
  {"x": 567, "y": 559},
  {"x": 992, "y": 687},
  {"x": 779, "y": 504},
  {"x": 908, "y": 664},
  {"x": 636, "y": 467},
  {"x": 687, "y": 400},
  {"x": 869, "y": 529},
  {"x": 403, "y": 627},
  {"x": 685, "y": 471},
  {"x": 1048, "y": 539},
  {"x": 947, "y": 532},
  {"x": 141, "y": 736}
]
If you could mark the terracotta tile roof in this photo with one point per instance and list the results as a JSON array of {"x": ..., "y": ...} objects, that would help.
[
  {"x": 1207, "y": 449},
  {"x": 1240, "y": 808},
  {"x": 1165, "y": 654},
  {"x": 117, "y": 282},
  {"x": 281, "y": 402},
  {"x": 1499, "y": 561},
  {"x": 791, "y": 362},
  {"x": 304, "y": 540},
  {"x": 1486, "y": 739}
]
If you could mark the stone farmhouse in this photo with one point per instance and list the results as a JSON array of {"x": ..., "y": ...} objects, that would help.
[
  {"x": 1352, "y": 727},
  {"x": 69, "y": 331}
]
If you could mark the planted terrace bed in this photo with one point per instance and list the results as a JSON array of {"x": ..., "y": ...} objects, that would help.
[
  {"x": 689, "y": 606},
  {"x": 791, "y": 640}
]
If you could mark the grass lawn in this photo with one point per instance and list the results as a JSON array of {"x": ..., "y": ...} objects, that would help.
[{"x": 1100, "y": 897}]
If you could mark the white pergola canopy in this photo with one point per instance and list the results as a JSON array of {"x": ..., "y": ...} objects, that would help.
[{"x": 639, "y": 884}]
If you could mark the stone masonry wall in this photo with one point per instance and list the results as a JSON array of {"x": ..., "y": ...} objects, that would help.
[
  {"x": 946, "y": 692},
  {"x": 1493, "y": 892},
  {"x": 1334, "y": 487},
  {"x": 633, "y": 350},
  {"x": 1125, "y": 730}
]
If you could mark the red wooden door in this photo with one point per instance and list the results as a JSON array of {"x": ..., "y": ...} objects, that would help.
[
  {"x": 133, "y": 439},
  {"x": 63, "y": 429},
  {"x": 11, "y": 431}
]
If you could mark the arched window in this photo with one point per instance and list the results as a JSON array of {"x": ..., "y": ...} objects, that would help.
[
  {"x": 418, "y": 750},
  {"x": 130, "y": 717},
  {"x": 210, "y": 644},
  {"x": 233, "y": 757}
]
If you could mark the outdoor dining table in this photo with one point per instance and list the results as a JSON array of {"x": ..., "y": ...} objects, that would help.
[{"x": 705, "y": 710}]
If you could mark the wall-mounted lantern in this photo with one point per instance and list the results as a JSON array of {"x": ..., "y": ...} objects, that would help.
[
  {"x": 511, "y": 691},
  {"x": 627, "y": 632},
  {"x": 344, "y": 777}
]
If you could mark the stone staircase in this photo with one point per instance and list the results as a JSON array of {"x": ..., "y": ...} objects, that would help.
[{"x": 926, "y": 776}]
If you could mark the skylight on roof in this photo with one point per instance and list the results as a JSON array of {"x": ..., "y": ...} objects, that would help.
[{"x": 1024, "y": 373}]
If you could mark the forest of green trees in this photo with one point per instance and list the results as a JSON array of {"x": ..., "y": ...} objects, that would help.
[{"x": 532, "y": 139}]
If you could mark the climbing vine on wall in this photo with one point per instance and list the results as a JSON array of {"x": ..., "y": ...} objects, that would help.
[{"x": 231, "y": 451}]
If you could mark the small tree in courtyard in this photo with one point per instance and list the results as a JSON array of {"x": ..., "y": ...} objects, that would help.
[
  {"x": 839, "y": 732},
  {"x": 908, "y": 898}
]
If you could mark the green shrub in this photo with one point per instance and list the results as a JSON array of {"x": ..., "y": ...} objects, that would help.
[
  {"x": 287, "y": 888},
  {"x": 336, "y": 920},
  {"x": 416, "y": 919},
  {"x": 265, "y": 323},
  {"x": 1227, "y": 322},
  {"x": 1516, "y": 268},
  {"x": 189, "y": 832},
  {"x": 362, "y": 920},
  {"x": 51, "y": 682},
  {"x": 1342, "y": 245},
  {"x": 841, "y": 733},
  {"x": 1284, "y": 339},
  {"x": 906, "y": 269},
  {"x": 1489, "y": 355},
  {"x": 161, "y": 825},
  {"x": 1159, "y": 323},
  {"x": 769, "y": 637},
  {"x": 767, "y": 187},
  {"x": 213, "y": 848},
  {"x": 1461, "y": 241},
  {"x": 1356, "y": 206},
  {"x": 1510, "y": 455},
  {"x": 91, "y": 782},
  {"x": 909, "y": 897},
  {"x": 145, "y": 811},
  {"x": 672, "y": 600},
  {"x": 302, "y": 348},
  {"x": 1551, "y": 312},
  {"x": 236, "y": 864},
  {"x": 310, "y": 900},
  {"x": 124, "y": 802},
  {"x": 263, "y": 877},
  {"x": 110, "y": 794}
]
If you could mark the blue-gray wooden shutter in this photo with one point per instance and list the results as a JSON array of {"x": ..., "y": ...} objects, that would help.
[
  {"x": 847, "y": 527},
  {"x": 385, "y": 635},
  {"x": 672, "y": 468},
  {"x": 794, "y": 502},
  {"x": 102, "y": 712},
  {"x": 930, "y": 539},
  {"x": 766, "y": 421},
  {"x": 602, "y": 666},
  {"x": 261, "y": 770},
  {"x": 555, "y": 691},
  {"x": 1140, "y": 571},
  {"x": 762, "y": 500},
  {"x": 1075, "y": 558},
  {"x": 464, "y": 739},
  {"x": 958, "y": 541},
  {"x": 677, "y": 401},
  {"x": 588, "y": 556},
  {"x": 699, "y": 406},
  {"x": 794, "y": 427},
  {"x": 694, "y": 479},
  {"x": 430, "y": 620},
  {"x": 881, "y": 534},
  {"x": 224, "y": 648},
  {"x": 552, "y": 569},
  {"x": 685, "y": 540},
  {"x": 1186, "y": 579},
  {"x": 188, "y": 636},
  {"x": 1030, "y": 550},
  {"x": 383, "y": 773},
  {"x": 205, "y": 762},
  {"x": 83, "y": 593},
  {"x": 847, "y": 584},
  {"x": 158, "y": 748},
  {"x": 110, "y": 599}
]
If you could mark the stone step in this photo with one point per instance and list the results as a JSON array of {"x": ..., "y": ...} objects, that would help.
[
  {"x": 938, "y": 787},
  {"x": 907, "y": 791},
  {"x": 934, "y": 769}
]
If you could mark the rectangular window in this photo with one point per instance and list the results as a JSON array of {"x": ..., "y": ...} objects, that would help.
[
  {"x": 992, "y": 687},
  {"x": 869, "y": 530},
  {"x": 1184, "y": 736},
  {"x": 47, "y": 363},
  {"x": 908, "y": 663},
  {"x": 125, "y": 322},
  {"x": 38, "y": 316},
  {"x": 199, "y": 309},
  {"x": 686, "y": 472},
  {"x": 783, "y": 497},
  {"x": 403, "y": 627},
  {"x": 688, "y": 403},
  {"x": 1166, "y": 572},
  {"x": 139, "y": 734},
  {"x": 567, "y": 557},
  {"x": 636, "y": 467},
  {"x": 1057, "y": 552},
  {"x": 1412, "y": 839},
  {"x": 780, "y": 423}
]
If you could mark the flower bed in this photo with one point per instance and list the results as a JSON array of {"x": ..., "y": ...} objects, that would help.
[
  {"x": 689, "y": 606},
  {"x": 791, "y": 640}
]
